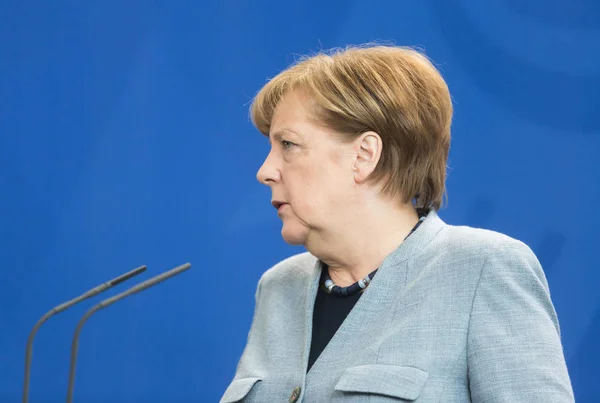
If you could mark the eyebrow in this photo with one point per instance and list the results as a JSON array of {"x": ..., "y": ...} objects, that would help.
[{"x": 278, "y": 135}]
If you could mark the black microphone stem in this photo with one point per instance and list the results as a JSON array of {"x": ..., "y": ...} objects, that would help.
[
  {"x": 57, "y": 309},
  {"x": 109, "y": 301}
]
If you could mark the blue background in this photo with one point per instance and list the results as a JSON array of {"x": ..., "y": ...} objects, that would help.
[{"x": 125, "y": 140}]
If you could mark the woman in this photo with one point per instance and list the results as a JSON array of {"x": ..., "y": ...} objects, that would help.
[{"x": 389, "y": 303}]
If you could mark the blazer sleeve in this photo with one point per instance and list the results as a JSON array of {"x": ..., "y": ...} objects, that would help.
[{"x": 514, "y": 349}]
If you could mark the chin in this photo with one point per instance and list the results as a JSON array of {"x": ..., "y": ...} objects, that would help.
[{"x": 294, "y": 234}]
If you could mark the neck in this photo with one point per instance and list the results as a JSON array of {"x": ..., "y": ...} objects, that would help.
[{"x": 358, "y": 247}]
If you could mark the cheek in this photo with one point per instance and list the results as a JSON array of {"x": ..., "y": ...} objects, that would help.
[
  {"x": 316, "y": 189},
  {"x": 306, "y": 194},
  {"x": 318, "y": 197}
]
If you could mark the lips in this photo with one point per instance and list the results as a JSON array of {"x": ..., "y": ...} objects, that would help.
[{"x": 277, "y": 204}]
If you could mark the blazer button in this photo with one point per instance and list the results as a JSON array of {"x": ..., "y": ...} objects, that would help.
[{"x": 295, "y": 394}]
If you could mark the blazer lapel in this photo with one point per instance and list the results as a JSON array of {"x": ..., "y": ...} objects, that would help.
[{"x": 309, "y": 305}]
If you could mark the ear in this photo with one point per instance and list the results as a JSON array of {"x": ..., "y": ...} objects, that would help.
[{"x": 368, "y": 152}]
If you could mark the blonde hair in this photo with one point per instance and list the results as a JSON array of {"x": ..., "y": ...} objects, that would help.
[{"x": 391, "y": 90}]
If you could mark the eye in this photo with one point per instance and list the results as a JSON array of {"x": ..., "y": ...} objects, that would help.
[{"x": 287, "y": 144}]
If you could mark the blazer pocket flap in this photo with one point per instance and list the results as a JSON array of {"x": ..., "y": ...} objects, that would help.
[
  {"x": 238, "y": 389},
  {"x": 389, "y": 380}
]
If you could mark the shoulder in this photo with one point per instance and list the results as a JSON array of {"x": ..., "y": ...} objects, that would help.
[
  {"x": 489, "y": 255},
  {"x": 467, "y": 252},
  {"x": 482, "y": 244}
]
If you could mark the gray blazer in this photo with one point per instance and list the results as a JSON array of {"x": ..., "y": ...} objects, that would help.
[{"x": 455, "y": 314}]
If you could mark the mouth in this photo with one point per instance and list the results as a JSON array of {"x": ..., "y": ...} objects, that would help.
[{"x": 278, "y": 204}]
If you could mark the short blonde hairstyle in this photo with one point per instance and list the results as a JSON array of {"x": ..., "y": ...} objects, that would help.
[{"x": 391, "y": 90}]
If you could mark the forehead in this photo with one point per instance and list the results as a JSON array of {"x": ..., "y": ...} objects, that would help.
[
  {"x": 294, "y": 119},
  {"x": 293, "y": 107}
]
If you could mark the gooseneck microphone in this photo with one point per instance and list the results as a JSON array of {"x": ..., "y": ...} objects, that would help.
[
  {"x": 109, "y": 301},
  {"x": 57, "y": 309}
]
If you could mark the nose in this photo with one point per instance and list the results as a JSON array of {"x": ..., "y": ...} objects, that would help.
[{"x": 268, "y": 172}]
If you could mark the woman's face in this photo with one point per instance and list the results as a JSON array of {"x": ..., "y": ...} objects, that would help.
[{"x": 309, "y": 171}]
